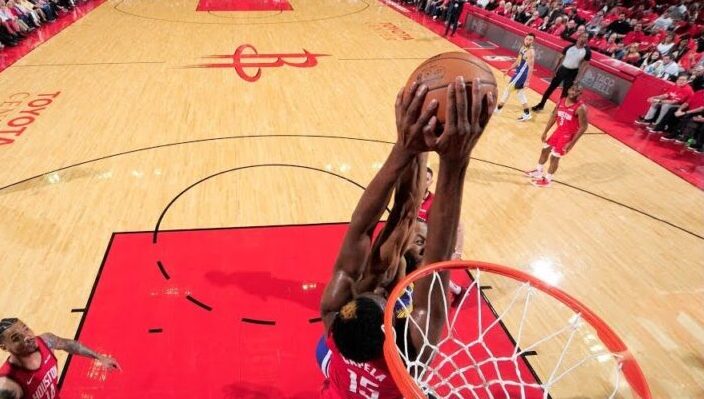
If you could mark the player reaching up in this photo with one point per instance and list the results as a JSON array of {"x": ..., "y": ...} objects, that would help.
[{"x": 351, "y": 351}]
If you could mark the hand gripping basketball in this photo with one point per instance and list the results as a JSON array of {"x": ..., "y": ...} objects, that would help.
[
  {"x": 462, "y": 128},
  {"x": 415, "y": 128}
]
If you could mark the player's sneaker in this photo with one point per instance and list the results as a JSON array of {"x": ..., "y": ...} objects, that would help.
[
  {"x": 534, "y": 174},
  {"x": 542, "y": 182},
  {"x": 525, "y": 117}
]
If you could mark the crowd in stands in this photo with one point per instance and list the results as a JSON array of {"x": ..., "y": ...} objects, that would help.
[
  {"x": 19, "y": 18},
  {"x": 665, "y": 39},
  {"x": 662, "y": 39}
]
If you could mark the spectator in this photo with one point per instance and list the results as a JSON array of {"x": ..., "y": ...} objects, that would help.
[
  {"x": 555, "y": 12},
  {"x": 570, "y": 29},
  {"x": 679, "y": 12},
  {"x": 659, "y": 105},
  {"x": 667, "y": 44},
  {"x": 524, "y": 15},
  {"x": 581, "y": 29},
  {"x": 632, "y": 55},
  {"x": 598, "y": 43},
  {"x": 573, "y": 58},
  {"x": 663, "y": 22},
  {"x": 505, "y": 11},
  {"x": 594, "y": 25},
  {"x": 670, "y": 68},
  {"x": 618, "y": 52},
  {"x": 535, "y": 21},
  {"x": 543, "y": 8},
  {"x": 636, "y": 36},
  {"x": 652, "y": 65},
  {"x": 611, "y": 44},
  {"x": 636, "y": 13},
  {"x": 621, "y": 26},
  {"x": 557, "y": 27},
  {"x": 573, "y": 16},
  {"x": 697, "y": 78},
  {"x": 676, "y": 119},
  {"x": 493, "y": 5}
]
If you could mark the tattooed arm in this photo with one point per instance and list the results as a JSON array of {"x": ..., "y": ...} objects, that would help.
[
  {"x": 9, "y": 389},
  {"x": 76, "y": 348}
]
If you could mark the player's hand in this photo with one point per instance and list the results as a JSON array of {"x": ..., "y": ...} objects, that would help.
[
  {"x": 544, "y": 137},
  {"x": 462, "y": 127},
  {"x": 680, "y": 114},
  {"x": 109, "y": 362},
  {"x": 415, "y": 128}
]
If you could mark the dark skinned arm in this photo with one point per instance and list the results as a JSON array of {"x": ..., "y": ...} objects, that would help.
[
  {"x": 454, "y": 146},
  {"x": 413, "y": 130},
  {"x": 583, "y": 125},
  {"x": 551, "y": 122},
  {"x": 385, "y": 262},
  {"x": 76, "y": 348}
]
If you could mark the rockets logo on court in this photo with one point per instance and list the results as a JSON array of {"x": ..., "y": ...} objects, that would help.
[{"x": 248, "y": 63}]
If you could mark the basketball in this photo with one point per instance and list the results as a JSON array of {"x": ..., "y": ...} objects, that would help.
[{"x": 441, "y": 70}]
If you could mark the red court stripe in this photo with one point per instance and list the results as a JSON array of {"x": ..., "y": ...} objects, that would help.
[{"x": 244, "y": 5}]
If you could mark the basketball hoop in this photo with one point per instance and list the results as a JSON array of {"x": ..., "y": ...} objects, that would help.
[{"x": 487, "y": 338}]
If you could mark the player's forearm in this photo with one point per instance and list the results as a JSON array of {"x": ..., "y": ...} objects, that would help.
[
  {"x": 407, "y": 199},
  {"x": 389, "y": 247},
  {"x": 378, "y": 193},
  {"x": 443, "y": 221},
  {"x": 550, "y": 123},
  {"x": 76, "y": 348}
]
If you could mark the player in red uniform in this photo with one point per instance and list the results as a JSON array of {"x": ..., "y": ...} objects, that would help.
[
  {"x": 571, "y": 117},
  {"x": 352, "y": 310},
  {"x": 31, "y": 371}
]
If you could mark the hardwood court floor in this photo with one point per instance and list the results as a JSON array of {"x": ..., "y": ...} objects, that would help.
[{"x": 133, "y": 126}]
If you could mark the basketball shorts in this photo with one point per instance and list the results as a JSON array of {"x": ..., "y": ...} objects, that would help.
[{"x": 558, "y": 142}]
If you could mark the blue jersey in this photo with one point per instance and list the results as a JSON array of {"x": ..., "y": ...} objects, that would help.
[{"x": 519, "y": 79}]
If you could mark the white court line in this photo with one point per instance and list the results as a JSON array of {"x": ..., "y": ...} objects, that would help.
[
  {"x": 660, "y": 336},
  {"x": 396, "y": 6},
  {"x": 691, "y": 326}
]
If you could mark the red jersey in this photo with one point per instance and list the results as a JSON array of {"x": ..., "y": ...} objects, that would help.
[
  {"x": 41, "y": 383},
  {"x": 567, "y": 119},
  {"x": 424, "y": 211},
  {"x": 350, "y": 380},
  {"x": 567, "y": 127},
  {"x": 680, "y": 94}
]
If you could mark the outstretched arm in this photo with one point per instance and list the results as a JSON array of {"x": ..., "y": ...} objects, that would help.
[
  {"x": 385, "y": 262},
  {"x": 76, "y": 348},
  {"x": 454, "y": 147},
  {"x": 412, "y": 127}
]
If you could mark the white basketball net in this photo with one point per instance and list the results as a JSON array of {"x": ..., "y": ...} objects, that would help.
[{"x": 455, "y": 371}]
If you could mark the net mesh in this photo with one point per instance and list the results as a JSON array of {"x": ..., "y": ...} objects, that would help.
[{"x": 477, "y": 357}]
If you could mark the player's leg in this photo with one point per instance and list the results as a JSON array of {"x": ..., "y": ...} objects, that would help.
[
  {"x": 546, "y": 181},
  {"x": 504, "y": 96},
  {"x": 537, "y": 173},
  {"x": 570, "y": 77},
  {"x": 524, "y": 103}
]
